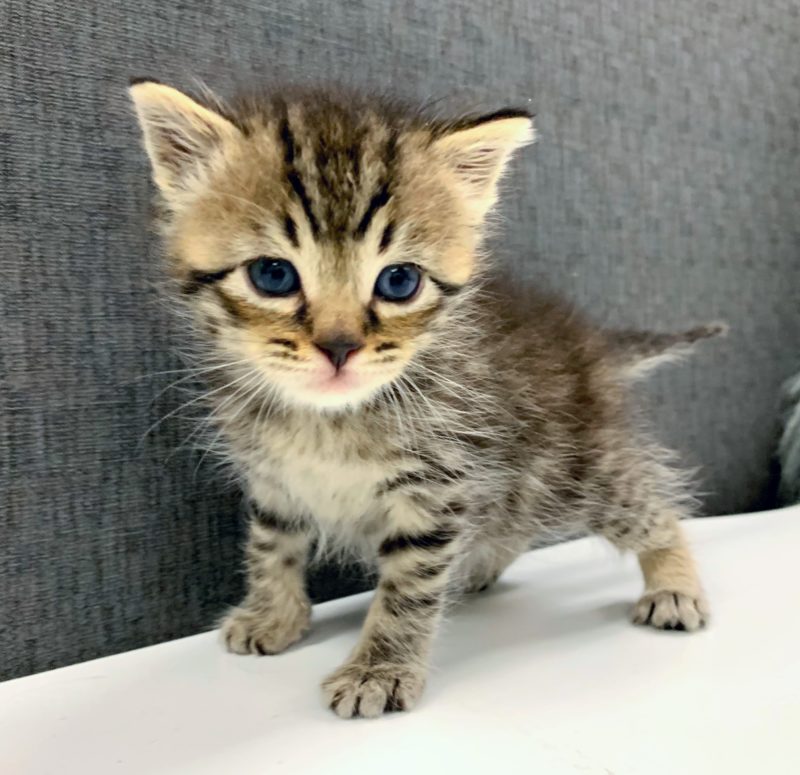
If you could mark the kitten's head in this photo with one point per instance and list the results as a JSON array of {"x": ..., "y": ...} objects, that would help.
[{"x": 323, "y": 241}]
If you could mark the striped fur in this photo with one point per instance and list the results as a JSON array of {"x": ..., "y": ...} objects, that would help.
[{"x": 472, "y": 420}]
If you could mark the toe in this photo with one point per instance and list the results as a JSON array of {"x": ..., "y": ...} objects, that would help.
[
  {"x": 373, "y": 699},
  {"x": 345, "y": 703},
  {"x": 689, "y": 613}
]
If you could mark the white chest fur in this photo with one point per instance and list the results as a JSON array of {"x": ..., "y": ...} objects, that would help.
[
  {"x": 315, "y": 471},
  {"x": 332, "y": 490}
]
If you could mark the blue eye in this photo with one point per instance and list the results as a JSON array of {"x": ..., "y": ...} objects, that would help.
[
  {"x": 273, "y": 276},
  {"x": 398, "y": 282}
]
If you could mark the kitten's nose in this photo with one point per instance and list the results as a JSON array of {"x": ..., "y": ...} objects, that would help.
[{"x": 338, "y": 349}]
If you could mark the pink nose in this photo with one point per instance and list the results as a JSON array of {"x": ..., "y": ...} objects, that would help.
[{"x": 338, "y": 350}]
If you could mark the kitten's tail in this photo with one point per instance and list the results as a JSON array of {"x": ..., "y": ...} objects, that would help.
[{"x": 637, "y": 353}]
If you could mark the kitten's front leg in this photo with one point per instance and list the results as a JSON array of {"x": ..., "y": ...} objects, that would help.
[
  {"x": 388, "y": 667},
  {"x": 276, "y": 611}
]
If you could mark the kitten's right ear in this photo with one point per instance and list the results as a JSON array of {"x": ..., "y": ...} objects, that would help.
[
  {"x": 478, "y": 150},
  {"x": 180, "y": 135}
]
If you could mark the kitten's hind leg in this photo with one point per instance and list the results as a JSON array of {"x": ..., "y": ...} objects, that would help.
[
  {"x": 484, "y": 563},
  {"x": 276, "y": 611},
  {"x": 673, "y": 598}
]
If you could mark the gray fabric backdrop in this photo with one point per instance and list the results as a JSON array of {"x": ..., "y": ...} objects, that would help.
[{"x": 664, "y": 190}]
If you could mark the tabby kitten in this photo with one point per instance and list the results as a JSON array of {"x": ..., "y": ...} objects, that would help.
[{"x": 376, "y": 391}]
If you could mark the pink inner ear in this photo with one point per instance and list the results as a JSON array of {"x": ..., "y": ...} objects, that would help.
[
  {"x": 176, "y": 149},
  {"x": 478, "y": 164},
  {"x": 173, "y": 139}
]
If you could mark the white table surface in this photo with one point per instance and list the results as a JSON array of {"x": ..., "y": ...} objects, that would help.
[{"x": 541, "y": 675}]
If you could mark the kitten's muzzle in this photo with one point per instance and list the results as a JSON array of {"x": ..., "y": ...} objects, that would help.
[{"x": 338, "y": 350}]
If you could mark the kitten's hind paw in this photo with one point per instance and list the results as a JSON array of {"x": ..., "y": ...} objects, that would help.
[
  {"x": 477, "y": 585},
  {"x": 247, "y": 631},
  {"x": 371, "y": 690},
  {"x": 667, "y": 610}
]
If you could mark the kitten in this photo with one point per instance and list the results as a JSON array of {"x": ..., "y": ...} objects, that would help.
[{"x": 375, "y": 389}]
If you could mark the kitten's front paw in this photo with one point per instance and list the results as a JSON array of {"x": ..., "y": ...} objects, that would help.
[
  {"x": 370, "y": 690},
  {"x": 671, "y": 611},
  {"x": 247, "y": 631}
]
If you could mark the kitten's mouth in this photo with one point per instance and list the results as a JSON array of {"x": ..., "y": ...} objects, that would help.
[
  {"x": 328, "y": 388},
  {"x": 342, "y": 381}
]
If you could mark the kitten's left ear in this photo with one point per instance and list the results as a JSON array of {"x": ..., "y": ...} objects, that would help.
[
  {"x": 180, "y": 135},
  {"x": 479, "y": 151}
]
